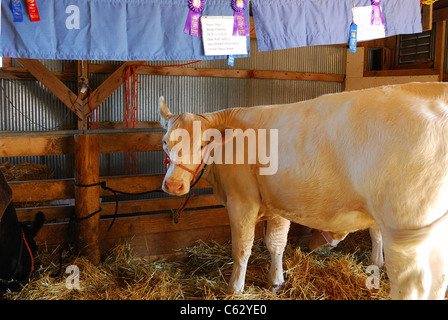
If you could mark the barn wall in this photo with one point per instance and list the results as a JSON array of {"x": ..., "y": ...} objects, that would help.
[
  {"x": 28, "y": 106},
  {"x": 355, "y": 79}
]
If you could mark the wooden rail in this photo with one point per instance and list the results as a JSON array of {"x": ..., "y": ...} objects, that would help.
[{"x": 146, "y": 223}]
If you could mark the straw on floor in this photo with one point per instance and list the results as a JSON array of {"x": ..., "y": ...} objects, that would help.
[{"x": 204, "y": 273}]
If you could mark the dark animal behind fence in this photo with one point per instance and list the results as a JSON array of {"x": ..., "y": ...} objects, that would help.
[{"x": 17, "y": 246}]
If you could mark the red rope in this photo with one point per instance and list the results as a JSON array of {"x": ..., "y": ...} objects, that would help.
[
  {"x": 175, "y": 65},
  {"x": 176, "y": 214},
  {"x": 31, "y": 254},
  {"x": 131, "y": 106},
  {"x": 167, "y": 160},
  {"x": 131, "y": 112}
]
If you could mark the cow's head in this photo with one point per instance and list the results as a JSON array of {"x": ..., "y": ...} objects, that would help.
[
  {"x": 17, "y": 246},
  {"x": 185, "y": 151}
]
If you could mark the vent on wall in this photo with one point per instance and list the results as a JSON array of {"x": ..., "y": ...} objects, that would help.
[{"x": 415, "y": 48}]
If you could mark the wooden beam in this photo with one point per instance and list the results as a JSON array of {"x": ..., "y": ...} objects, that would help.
[
  {"x": 82, "y": 80},
  {"x": 253, "y": 35},
  {"x": 132, "y": 207},
  {"x": 163, "y": 223},
  {"x": 15, "y": 73},
  {"x": 140, "y": 183},
  {"x": 235, "y": 73},
  {"x": 20, "y": 73},
  {"x": 111, "y": 141},
  {"x": 128, "y": 142},
  {"x": 31, "y": 191},
  {"x": 440, "y": 15},
  {"x": 152, "y": 234},
  {"x": 157, "y": 205},
  {"x": 35, "y": 146},
  {"x": 439, "y": 58},
  {"x": 52, "y": 213},
  {"x": 49, "y": 80},
  {"x": 122, "y": 125},
  {"x": 400, "y": 73},
  {"x": 427, "y": 18},
  {"x": 225, "y": 73},
  {"x": 112, "y": 83}
]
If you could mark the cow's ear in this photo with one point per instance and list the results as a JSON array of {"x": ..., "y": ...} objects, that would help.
[
  {"x": 38, "y": 222},
  {"x": 165, "y": 113}
]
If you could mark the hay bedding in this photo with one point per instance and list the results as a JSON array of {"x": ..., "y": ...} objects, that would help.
[{"x": 204, "y": 274}]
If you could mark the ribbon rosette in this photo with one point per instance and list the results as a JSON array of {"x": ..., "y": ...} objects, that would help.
[
  {"x": 239, "y": 22},
  {"x": 193, "y": 25},
  {"x": 377, "y": 15}
]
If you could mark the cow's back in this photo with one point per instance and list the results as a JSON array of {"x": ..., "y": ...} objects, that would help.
[{"x": 352, "y": 156}]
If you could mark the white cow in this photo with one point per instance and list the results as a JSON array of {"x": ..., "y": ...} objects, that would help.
[{"x": 346, "y": 161}]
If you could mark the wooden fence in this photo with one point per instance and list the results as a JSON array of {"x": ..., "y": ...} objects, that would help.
[{"x": 146, "y": 224}]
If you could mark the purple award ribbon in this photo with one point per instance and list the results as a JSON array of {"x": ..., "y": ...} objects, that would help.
[
  {"x": 377, "y": 15},
  {"x": 239, "y": 21},
  {"x": 17, "y": 10},
  {"x": 193, "y": 25}
]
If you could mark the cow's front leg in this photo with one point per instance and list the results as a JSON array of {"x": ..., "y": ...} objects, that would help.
[
  {"x": 242, "y": 224},
  {"x": 276, "y": 238}
]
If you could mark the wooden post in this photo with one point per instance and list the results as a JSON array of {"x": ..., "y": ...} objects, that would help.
[
  {"x": 439, "y": 57},
  {"x": 427, "y": 17},
  {"x": 82, "y": 78},
  {"x": 87, "y": 199}
]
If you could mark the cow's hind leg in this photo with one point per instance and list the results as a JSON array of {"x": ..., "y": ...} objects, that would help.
[
  {"x": 439, "y": 262},
  {"x": 407, "y": 263},
  {"x": 276, "y": 238}
]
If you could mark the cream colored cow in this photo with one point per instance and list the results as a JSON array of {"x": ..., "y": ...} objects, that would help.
[{"x": 343, "y": 162}]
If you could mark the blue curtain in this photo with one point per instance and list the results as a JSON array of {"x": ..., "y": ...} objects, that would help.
[
  {"x": 123, "y": 30},
  {"x": 297, "y": 23},
  {"x": 154, "y": 29}
]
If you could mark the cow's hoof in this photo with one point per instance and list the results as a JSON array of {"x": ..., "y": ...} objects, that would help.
[
  {"x": 231, "y": 290},
  {"x": 277, "y": 287}
]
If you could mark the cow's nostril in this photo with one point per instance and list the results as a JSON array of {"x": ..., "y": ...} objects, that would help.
[{"x": 174, "y": 186}]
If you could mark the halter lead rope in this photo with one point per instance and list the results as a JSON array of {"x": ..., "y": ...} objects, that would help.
[
  {"x": 13, "y": 277},
  {"x": 186, "y": 199}
]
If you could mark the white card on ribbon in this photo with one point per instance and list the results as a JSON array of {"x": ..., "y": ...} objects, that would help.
[
  {"x": 366, "y": 31},
  {"x": 218, "y": 39}
]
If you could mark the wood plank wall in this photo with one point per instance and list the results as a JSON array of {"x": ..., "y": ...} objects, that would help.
[{"x": 146, "y": 224}]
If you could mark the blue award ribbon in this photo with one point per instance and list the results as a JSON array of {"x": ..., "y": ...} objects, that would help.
[
  {"x": 353, "y": 37},
  {"x": 17, "y": 10}
]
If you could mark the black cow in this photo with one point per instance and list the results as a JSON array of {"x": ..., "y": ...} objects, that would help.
[{"x": 17, "y": 245}]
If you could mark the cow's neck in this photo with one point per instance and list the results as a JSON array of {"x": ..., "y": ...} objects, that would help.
[
  {"x": 235, "y": 118},
  {"x": 241, "y": 118}
]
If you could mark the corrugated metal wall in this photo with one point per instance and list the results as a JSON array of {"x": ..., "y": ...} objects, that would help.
[{"x": 28, "y": 106}]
